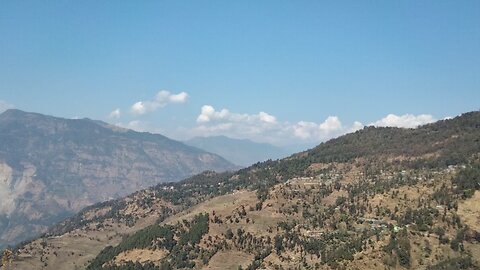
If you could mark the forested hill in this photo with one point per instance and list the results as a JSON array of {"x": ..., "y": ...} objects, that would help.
[{"x": 451, "y": 141}]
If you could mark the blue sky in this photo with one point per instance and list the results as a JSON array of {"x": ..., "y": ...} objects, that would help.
[{"x": 285, "y": 72}]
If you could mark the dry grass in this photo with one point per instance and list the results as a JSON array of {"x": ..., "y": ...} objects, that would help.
[
  {"x": 226, "y": 260},
  {"x": 140, "y": 255},
  {"x": 222, "y": 205},
  {"x": 73, "y": 250},
  {"x": 469, "y": 211}
]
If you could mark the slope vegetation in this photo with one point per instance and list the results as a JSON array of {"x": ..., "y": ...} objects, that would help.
[{"x": 374, "y": 199}]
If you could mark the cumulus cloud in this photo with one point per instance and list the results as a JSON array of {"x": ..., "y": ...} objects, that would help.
[
  {"x": 267, "y": 118},
  {"x": 115, "y": 114},
  {"x": 261, "y": 126},
  {"x": 139, "y": 108},
  {"x": 303, "y": 130},
  {"x": 404, "y": 121},
  {"x": 5, "y": 106},
  {"x": 328, "y": 128},
  {"x": 160, "y": 100},
  {"x": 178, "y": 98},
  {"x": 209, "y": 114}
]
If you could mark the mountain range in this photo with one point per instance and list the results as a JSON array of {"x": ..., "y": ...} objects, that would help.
[
  {"x": 378, "y": 198},
  {"x": 50, "y": 168}
]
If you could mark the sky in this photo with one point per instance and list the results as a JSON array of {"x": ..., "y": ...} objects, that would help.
[{"x": 283, "y": 72}]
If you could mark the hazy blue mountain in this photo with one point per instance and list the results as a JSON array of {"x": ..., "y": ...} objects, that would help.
[
  {"x": 241, "y": 152},
  {"x": 52, "y": 167}
]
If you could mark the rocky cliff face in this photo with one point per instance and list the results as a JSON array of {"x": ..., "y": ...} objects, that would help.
[{"x": 52, "y": 167}]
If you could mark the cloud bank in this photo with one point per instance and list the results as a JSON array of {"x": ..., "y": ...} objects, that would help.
[
  {"x": 265, "y": 127},
  {"x": 261, "y": 126}
]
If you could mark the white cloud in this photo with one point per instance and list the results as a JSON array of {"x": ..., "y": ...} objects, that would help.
[
  {"x": 331, "y": 124},
  {"x": 160, "y": 100},
  {"x": 261, "y": 126},
  {"x": 138, "y": 108},
  {"x": 304, "y": 130},
  {"x": 267, "y": 118},
  {"x": 115, "y": 114},
  {"x": 179, "y": 98},
  {"x": 404, "y": 121},
  {"x": 209, "y": 114},
  {"x": 310, "y": 130},
  {"x": 5, "y": 106},
  {"x": 356, "y": 126},
  {"x": 206, "y": 113}
]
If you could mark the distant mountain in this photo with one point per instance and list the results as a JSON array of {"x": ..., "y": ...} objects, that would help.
[
  {"x": 240, "y": 152},
  {"x": 52, "y": 167}
]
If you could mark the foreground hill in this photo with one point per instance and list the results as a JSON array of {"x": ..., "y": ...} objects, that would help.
[
  {"x": 379, "y": 198},
  {"x": 240, "y": 152},
  {"x": 52, "y": 167}
]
